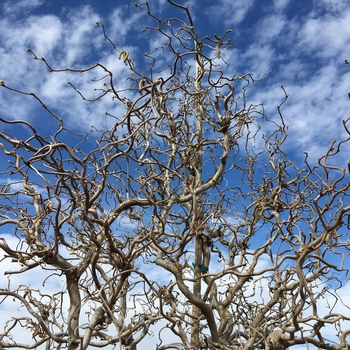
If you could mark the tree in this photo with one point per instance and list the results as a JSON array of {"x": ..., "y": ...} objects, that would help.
[{"x": 192, "y": 182}]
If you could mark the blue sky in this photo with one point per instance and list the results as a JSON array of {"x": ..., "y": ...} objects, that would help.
[{"x": 304, "y": 42}]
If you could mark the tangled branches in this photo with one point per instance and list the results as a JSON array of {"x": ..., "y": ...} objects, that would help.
[{"x": 170, "y": 222}]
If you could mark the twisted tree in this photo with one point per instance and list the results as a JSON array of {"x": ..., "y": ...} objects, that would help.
[{"x": 184, "y": 220}]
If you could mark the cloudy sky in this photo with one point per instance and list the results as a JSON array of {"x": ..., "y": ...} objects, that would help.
[{"x": 305, "y": 43}]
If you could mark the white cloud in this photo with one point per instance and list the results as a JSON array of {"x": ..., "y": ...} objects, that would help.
[
  {"x": 80, "y": 35},
  {"x": 332, "y": 6},
  {"x": 229, "y": 13},
  {"x": 270, "y": 27},
  {"x": 280, "y": 4},
  {"x": 124, "y": 20},
  {"x": 326, "y": 36},
  {"x": 20, "y": 7},
  {"x": 41, "y": 33}
]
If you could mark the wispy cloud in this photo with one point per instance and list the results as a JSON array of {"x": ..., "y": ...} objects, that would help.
[
  {"x": 230, "y": 13},
  {"x": 19, "y": 7}
]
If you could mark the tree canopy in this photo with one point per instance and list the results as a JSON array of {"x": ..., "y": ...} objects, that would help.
[{"x": 183, "y": 220}]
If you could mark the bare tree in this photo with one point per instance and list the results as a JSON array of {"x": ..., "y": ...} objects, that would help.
[{"x": 251, "y": 243}]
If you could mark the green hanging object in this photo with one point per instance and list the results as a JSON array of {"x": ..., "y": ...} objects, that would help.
[
  {"x": 193, "y": 172},
  {"x": 201, "y": 218},
  {"x": 203, "y": 268}
]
